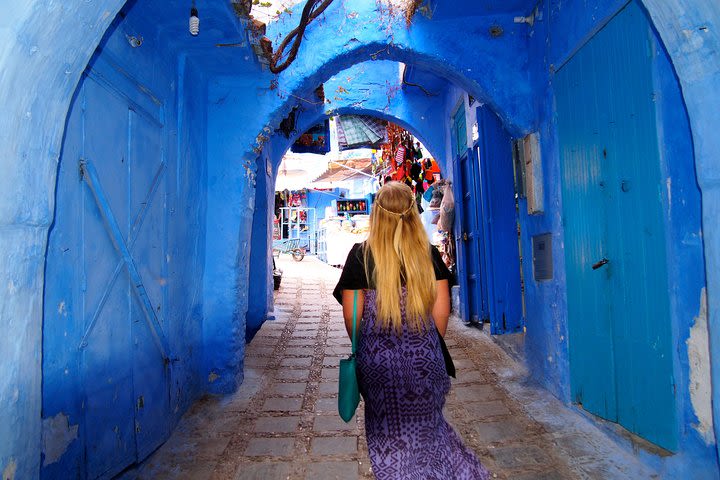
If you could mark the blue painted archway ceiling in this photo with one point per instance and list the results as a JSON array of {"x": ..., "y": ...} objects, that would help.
[
  {"x": 166, "y": 22},
  {"x": 430, "y": 82}
]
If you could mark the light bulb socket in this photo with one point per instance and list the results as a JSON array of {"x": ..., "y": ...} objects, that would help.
[{"x": 194, "y": 23}]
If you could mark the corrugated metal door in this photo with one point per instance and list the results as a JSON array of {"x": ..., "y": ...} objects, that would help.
[
  {"x": 620, "y": 336},
  {"x": 106, "y": 359},
  {"x": 498, "y": 217}
]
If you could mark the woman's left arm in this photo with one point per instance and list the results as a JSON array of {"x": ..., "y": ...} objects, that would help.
[
  {"x": 441, "y": 309},
  {"x": 347, "y": 304}
]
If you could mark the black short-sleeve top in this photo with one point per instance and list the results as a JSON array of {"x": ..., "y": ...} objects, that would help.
[{"x": 353, "y": 276}]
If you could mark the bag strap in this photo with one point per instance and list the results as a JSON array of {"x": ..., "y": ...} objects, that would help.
[{"x": 354, "y": 329}]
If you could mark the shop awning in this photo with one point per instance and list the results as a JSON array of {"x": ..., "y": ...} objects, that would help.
[
  {"x": 355, "y": 131},
  {"x": 342, "y": 170}
]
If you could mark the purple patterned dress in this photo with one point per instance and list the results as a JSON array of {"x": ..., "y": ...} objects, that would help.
[{"x": 403, "y": 382}]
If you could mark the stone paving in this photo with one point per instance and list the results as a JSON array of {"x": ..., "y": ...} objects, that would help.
[{"x": 283, "y": 422}]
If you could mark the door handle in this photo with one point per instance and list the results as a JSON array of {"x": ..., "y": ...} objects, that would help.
[
  {"x": 599, "y": 264},
  {"x": 465, "y": 236}
]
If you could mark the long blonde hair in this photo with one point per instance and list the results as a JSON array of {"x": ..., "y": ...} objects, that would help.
[{"x": 400, "y": 251}]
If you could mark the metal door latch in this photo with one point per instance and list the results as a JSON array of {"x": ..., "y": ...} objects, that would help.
[
  {"x": 599, "y": 264},
  {"x": 465, "y": 236}
]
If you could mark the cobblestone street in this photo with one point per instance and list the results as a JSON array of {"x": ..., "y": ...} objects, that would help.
[{"x": 283, "y": 422}]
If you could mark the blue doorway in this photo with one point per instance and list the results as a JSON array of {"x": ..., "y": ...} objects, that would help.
[
  {"x": 499, "y": 217},
  {"x": 619, "y": 324},
  {"x": 487, "y": 227},
  {"x": 106, "y": 357}
]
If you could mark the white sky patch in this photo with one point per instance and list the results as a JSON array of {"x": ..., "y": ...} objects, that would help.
[{"x": 268, "y": 10}]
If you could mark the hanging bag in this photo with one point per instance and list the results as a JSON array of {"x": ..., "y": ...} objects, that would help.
[
  {"x": 449, "y": 364},
  {"x": 349, "y": 393}
]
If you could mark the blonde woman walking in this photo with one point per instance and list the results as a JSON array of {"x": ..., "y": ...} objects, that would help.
[{"x": 404, "y": 304}]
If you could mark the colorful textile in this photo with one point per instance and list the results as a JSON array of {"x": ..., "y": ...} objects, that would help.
[
  {"x": 400, "y": 155},
  {"x": 404, "y": 382}
]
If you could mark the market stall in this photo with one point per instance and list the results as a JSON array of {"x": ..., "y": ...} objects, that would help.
[{"x": 337, "y": 235}]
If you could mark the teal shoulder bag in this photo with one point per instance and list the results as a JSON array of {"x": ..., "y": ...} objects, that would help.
[{"x": 349, "y": 394}]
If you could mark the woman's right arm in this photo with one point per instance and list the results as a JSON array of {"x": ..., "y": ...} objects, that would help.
[
  {"x": 347, "y": 304},
  {"x": 441, "y": 309}
]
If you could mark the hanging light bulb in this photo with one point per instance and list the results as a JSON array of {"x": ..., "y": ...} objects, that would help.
[{"x": 194, "y": 24}]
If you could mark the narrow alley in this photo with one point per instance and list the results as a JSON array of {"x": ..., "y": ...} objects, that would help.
[{"x": 283, "y": 424}]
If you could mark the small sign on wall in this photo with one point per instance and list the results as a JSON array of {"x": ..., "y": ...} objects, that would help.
[{"x": 542, "y": 257}]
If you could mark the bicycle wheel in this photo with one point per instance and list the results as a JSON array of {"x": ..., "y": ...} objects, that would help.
[{"x": 298, "y": 254}]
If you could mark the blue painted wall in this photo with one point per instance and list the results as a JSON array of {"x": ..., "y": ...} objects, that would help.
[
  {"x": 231, "y": 206},
  {"x": 259, "y": 289},
  {"x": 686, "y": 272},
  {"x": 187, "y": 206},
  {"x": 557, "y": 33},
  {"x": 565, "y": 30}
]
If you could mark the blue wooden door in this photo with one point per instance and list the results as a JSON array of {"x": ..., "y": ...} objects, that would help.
[
  {"x": 469, "y": 235},
  {"x": 619, "y": 326},
  {"x": 499, "y": 223},
  {"x": 106, "y": 343},
  {"x": 105, "y": 357},
  {"x": 147, "y": 197}
]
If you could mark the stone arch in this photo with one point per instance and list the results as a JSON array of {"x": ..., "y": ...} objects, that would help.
[
  {"x": 368, "y": 89},
  {"x": 481, "y": 64}
]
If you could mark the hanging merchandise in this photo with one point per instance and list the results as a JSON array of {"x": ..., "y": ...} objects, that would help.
[
  {"x": 314, "y": 140},
  {"x": 418, "y": 199},
  {"x": 400, "y": 156},
  {"x": 429, "y": 193},
  {"x": 279, "y": 203},
  {"x": 431, "y": 171},
  {"x": 400, "y": 174},
  {"x": 437, "y": 196},
  {"x": 402, "y": 160},
  {"x": 418, "y": 151},
  {"x": 409, "y": 150},
  {"x": 447, "y": 209},
  {"x": 416, "y": 172}
]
